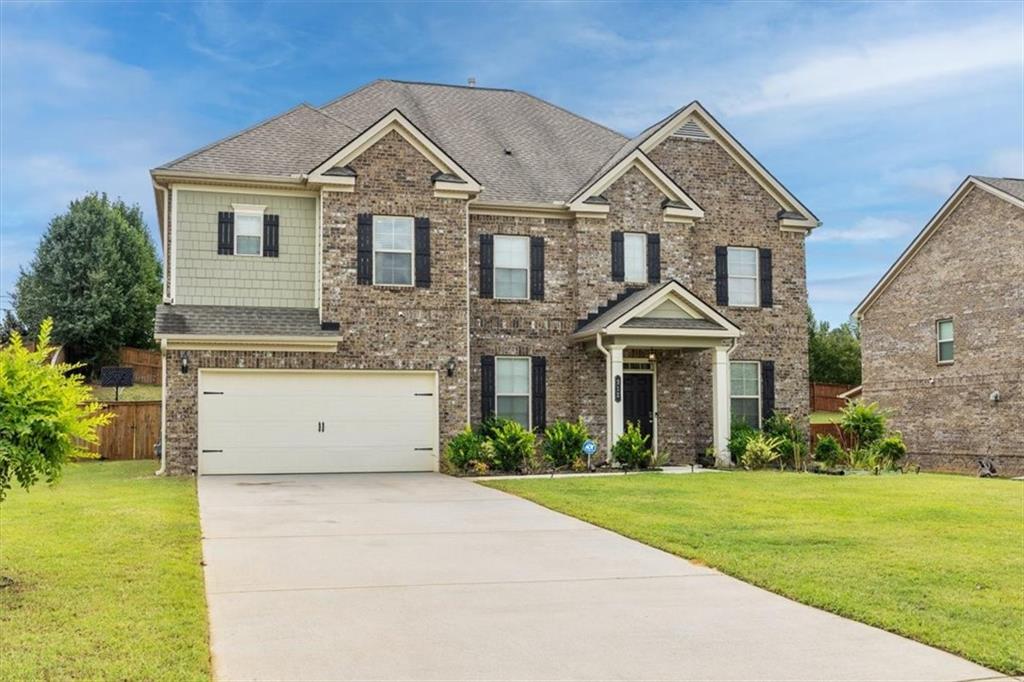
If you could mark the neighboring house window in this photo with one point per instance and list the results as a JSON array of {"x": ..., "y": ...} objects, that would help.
[
  {"x": 743, "y": 277},
  {"x": 634, "y": 247},
  {"x": 944, "y": 336},
  {"x": 248, "y": 231},
  {"x": 511, "y": 267},
  {"x": 512, "y": 389},
  {"x": 392, "y": 250},
  {"x": 745, "y": 392}
]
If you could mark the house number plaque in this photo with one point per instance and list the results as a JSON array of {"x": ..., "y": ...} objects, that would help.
[{"x": 618, "y": 388}]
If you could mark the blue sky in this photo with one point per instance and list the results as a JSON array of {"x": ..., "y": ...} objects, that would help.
[{"x": 870, "y": 113}]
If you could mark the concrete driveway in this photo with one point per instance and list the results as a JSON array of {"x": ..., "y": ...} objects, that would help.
[{"x": 426, "y": 577}]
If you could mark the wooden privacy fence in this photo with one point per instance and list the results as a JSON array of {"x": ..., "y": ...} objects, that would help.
[
  {"x": 146, "y": 364},
  {"x": 825, "y": 397},
  {"x": 132, "y": 433},
  {"x": 819, "y": 430}
]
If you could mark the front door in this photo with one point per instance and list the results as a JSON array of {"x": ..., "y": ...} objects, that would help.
[{"x": 638, "y": 403}]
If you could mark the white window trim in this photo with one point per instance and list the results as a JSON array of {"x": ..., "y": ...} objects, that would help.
[
  {"x": 756, "y": 276},
  {"x": 940, "y": 341},
  {"x": 643, "y": 258},
  {"x": 526, "y": 297},
  {"x": 757, "y": 364},
  {"x": 248, "y": 210},
  {"x": 529, "y": 387},
  {"x": 411, "y": 251}
]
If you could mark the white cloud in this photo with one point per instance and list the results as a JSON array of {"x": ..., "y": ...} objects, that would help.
[
  {"x": 847, "y": 289},
  {"x": 872, "y": 68},
  {"x": 1006, "y": 163},
  {"x": 939, "y": 180},
  {"x": 865, "y": 230}
]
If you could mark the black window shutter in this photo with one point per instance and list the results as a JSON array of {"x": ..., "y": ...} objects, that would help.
[
  {"x": 225, "y": 233},
  {"x": 722, "y": 275},
  {"x": 271, "y": 235},
  {"x": 539, "y": 408},
  {"x": 422, "y": 252},
  {"x": 364, "y": 248},
  {"x": 618, "y": 257},
  {"x": 654, "y": 258},
  {"x": 486, "y": 386},
  {"x": 766, "y": 277},
  {"x": 537, "y": 268},
  {"x": 487, "y": 267},
  {"x": 767, "y": 388}
]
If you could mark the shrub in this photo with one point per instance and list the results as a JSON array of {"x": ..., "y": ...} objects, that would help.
[
  {"x": 44, "y": 411},
  {"x": 563, "y": 442},
  {"x": 828, "y": 451},
  {"x": 488, "y": 427},
  {"x": 630, "y": 450},
  {"x": 761, "y": 451},
  {"x": 738, "y": 437},
  {"x": 514, "y": 445},
  {"x": 466, "y": 450},
  {"x": 794, "y": 439},
  {"x": 889, "y": 451},
  {"x": 863, "y": 422}
]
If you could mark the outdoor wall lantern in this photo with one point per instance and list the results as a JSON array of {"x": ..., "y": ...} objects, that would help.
[
  {"x": 995, "y": 397},
  {"x": 450, "y": 366},
  {"x": 184, "y": 362}
]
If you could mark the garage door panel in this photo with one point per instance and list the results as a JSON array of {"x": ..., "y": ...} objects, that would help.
[{"x": 258, "y": 421}]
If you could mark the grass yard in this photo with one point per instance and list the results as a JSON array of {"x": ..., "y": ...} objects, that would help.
[
  {"x": 825, "y": 417},
  {"x": 936, "y": 558},
  {"x": 108, "y": 582},
  {"x": 129, "y": 393}
]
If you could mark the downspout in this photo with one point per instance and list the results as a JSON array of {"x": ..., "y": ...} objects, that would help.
[
  {"x": 607, "y": 389},
  {"x": 163, "y": 408}
]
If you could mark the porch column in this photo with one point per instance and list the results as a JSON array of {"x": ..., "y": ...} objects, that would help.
[
  {"x": 721, "y": 412},
  {"x": 616, "y": 424}
]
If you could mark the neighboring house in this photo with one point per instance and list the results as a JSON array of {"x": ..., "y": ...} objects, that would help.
[
  {"x": 348, "y": 286},
  {"x": 942, "y": 333}
]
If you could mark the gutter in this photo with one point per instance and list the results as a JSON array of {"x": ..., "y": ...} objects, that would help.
[{"x": 163, "y": 410}]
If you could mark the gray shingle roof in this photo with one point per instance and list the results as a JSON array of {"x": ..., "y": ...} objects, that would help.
[
  {"x": 630, "y": 299},
  {"x": 671, "y": 323},
  {"x": 553, "y": 151},
  {"x": 220, "y": 320},
  {"x": 1012, "y": 186}
]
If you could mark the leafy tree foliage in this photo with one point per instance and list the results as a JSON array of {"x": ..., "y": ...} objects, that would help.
[
  {"x": 834, "y": 354},
  {"x": 43, "y": 410},
  {"x": 9, "y": 326},
  {"x": 95, "y": 272}
]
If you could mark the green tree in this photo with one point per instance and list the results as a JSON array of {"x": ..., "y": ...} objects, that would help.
[
  {"x": 95, "y": 271},
  {"x": 45, "y": 411},
  {"x": 9, "y": 326},
  {"x": 833, "y": 354}
]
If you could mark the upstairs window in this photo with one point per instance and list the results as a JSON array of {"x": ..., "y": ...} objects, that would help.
[
  {"x": 944, "y": 340},
  {"x": 743, "y": 290},
  {"x": 512, "y": 389},
  {"x": 248, "y": 230},
  {"x": 511, "y": 267},
  {"x": 392, "y": 250},
  {"x": 634, "y": 248},
  {"x": 745, "y": 392}
]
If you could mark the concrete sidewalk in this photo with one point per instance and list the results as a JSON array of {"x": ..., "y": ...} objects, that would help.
[{"x": 426, "y": 577}]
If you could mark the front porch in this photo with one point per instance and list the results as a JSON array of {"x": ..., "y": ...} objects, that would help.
[{"x": 645, "y": 329}]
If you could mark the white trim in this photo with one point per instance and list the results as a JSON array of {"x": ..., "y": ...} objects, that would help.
[
  {"x": 643, "y": 257},
  {"x": 526, "y": 296},
  {"x": 760, "y": 389},
  {"x": 939, "y": 340},
  {"x": 756, "y": 277},
  {"x": 319, "y": 278},
  {"x": 855, "y": 391},
  {"x": 175, "y": 238},
  {"x": 517, "y": 209},
  {"x": 929, "y": 229},
  {"x": 234, "y": 189},
  {"x": 249, "y": 210},
  {"x": 469, "y": 329},
  {"x": 411, "y": 251},
  {"x": 163, "y": 409},
  {"x": 529, "y": 387},
  {"x": 178, "y": 176}
]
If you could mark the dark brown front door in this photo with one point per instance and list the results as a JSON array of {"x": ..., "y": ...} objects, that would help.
[{"x": 638, "y": 403}]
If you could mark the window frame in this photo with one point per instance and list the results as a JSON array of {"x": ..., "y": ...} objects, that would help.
[
  {"x": 248, "y": 210},
  {"x": 529, "y": 387},
  {"x": 626, "y": 238},
  {"x": 411, "y": 251},
  {"x": 939, "y": 341},
  {"x": 495, "y": 268},
  {"x": 756, "y": 276},
  {"x": 760, "y": 389}
]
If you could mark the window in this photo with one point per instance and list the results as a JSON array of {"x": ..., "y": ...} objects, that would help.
[
  {"x": 248, "y": 230},
  {"x": 742, "y": 277},
  {"x": 944, "y": 339},
  {"x": 512, "y": 389},
  {"x": 511, "y": 267},
  {"x": 634, "y": 247},
  {"x": 392, "y": 250},
  {"x": 745, "y": 392}
]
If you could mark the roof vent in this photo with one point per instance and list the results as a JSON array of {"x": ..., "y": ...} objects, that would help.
[
  {"x": 471, "y": 82},
  {"x": 691, "y": 130}
]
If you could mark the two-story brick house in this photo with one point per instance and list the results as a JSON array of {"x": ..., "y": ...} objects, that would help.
[{"x": 350, "y": 285}]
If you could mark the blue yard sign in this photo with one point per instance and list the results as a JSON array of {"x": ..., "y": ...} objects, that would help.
[{"x": 589, "y": 448}]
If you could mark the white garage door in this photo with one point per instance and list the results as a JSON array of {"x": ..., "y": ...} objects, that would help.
[{"x": 270, "y": 422}]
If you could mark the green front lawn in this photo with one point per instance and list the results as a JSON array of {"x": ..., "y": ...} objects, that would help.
[
  {"x": 937, "y": 558},
  {"x": 107, "y": 578}
]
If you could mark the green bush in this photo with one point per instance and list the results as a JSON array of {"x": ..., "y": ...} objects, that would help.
[
  {"x": 828, "y": 450},
  {"x": 563, "y": 442},
  {"x": 514, "y": 446},
  {"x": 467, "y": 450},
  {"x": 863, "y": 422},
  {"x": 889, "y": 451},
  {"x": 794, "y": 439},
  {"x": 738, "y": 437},
  {"x": 630, "y": 450},
  {"x": 761, "y": 451},
  {"x": 488, "y": 427}
]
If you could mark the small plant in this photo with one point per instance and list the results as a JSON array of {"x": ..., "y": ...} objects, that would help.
[
  {"x": 579, "y": 464},
  {"x": 828, "y": 450},
  {"x": 660, "y": 459},
  {"x": 465, "y": 450},
  {"x": 488, "y": 427},
  {"x": 794, "y": 446},
  {"x": 889, "y": 451},
  {"x": 563, "y": 442},
  {"x": 761, "y": 451},
  {"x": 709, "y": 458},
  {"x": 861, "y": 458},
  {"x": 864, "y": 423},
  {"x": 480, "y": 468},
  {"x": 514, "y": 446},
  {"x": 738, "y": 437},
  {"x": 630, "y": 450}
]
